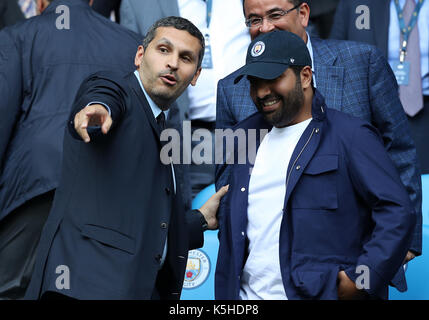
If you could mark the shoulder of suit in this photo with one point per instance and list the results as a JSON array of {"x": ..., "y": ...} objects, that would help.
[
  {"x": 249, "y": 122},
  {"x": 344, "y": 48},
  {"x": 229, "y": 79}
]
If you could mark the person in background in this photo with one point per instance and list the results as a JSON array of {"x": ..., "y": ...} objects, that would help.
[
  {"x": 321, "y": 17},
  {"x": 381, "y": 23},
  {"x": 107, "y": 7},
  {"x": 42, "y": 63}
]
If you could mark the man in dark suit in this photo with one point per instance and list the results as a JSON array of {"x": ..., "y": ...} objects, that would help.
[
  {"x": 117, "y": 225},
  {"x": 44, "y": 60},
  {"x": 376, "y": 23},
  {"x": 354, "y": 78}
]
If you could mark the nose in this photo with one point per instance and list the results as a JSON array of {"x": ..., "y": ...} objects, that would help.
[
  {"x": 259, "y": 88},
  {"x": 173, "y": 62},
  {"x": 262, "y": 89},
  {"x": 266, "y": 26}
]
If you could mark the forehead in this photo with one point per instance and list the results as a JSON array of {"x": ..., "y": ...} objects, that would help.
[
  {"x": 262, "y": 6},
  {"x": 180, "y": 39}
]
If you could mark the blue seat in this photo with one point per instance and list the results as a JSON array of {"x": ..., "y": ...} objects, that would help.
[{"x": 199, "y": 282}]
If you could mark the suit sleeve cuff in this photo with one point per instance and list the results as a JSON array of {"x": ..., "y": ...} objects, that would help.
[{"x": 197, "y": 225}]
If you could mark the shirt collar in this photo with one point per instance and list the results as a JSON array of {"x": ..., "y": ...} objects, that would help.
[
  {"x": 155, "y": 109},
  {"x": 310, "y": 50}
]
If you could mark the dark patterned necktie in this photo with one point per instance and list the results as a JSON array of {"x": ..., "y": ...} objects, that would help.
[{"x": 161, "y": 121}]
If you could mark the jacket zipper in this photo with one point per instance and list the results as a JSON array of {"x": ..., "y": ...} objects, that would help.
[{"x": 299, "y": 155}]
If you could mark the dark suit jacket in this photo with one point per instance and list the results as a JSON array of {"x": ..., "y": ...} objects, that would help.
[
  {"x": 344, "y": 27},
  {"x": 44, "y": 67},
  {"x": 344, "y": 207},
  {"x": 354, "y": 78},
  {"x": 115, "y": 207}
]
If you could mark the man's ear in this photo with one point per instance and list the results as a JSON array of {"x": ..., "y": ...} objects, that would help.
[
  {"x": 91, "y": 2},
  {"x": 139, "y": 56},
  {"x": 304, "y": 14},
  {"x": 196, "y": 75},
  {"x": 306, "y": 77}
]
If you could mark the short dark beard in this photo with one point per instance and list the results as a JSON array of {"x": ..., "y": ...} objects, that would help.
[{"x": 291, "y": 106}]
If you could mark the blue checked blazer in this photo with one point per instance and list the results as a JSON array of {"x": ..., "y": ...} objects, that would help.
[{"x": 354, "y": 78}]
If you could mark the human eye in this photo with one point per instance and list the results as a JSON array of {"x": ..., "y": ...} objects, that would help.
[
  {"x": 254, "y": 21},
  {"x": 276, "y": 15},
  {"x": 163, "y": 49},
  {"x": 187, "y": 58}
]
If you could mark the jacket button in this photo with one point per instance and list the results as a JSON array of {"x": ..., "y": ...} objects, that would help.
[
  {"x": 164, "y": 225},
  {"x": 243, "y": 189},
  {"x": 167, "y": 190},
  {"x": 317, "y": 130},
  {"x": 298, "y": 167}
]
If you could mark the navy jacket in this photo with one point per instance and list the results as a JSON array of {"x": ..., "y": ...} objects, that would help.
[
  {"x": 344, "y": 207},
  {"x": 115, "y": 207},
  {"x": 354, "y": 78},
  {"x": 41, "y": 69}
]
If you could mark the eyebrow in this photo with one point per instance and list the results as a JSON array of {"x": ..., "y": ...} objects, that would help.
[
  {"x": 165, "y": 41},
  {"x": 266, "y": 13}
]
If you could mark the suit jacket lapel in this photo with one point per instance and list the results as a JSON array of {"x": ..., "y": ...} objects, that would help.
[
  {"x": 145, "y": 105},
  {"x": 326, "y": 73}
]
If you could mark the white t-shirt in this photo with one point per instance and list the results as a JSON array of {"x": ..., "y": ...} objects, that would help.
[{"x": 261, "y": 278}]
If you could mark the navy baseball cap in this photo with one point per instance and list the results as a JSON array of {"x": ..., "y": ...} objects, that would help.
[{"x": 270, "y": 54}]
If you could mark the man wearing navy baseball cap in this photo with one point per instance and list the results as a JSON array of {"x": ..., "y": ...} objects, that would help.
[{"x": 323, "y": 213}]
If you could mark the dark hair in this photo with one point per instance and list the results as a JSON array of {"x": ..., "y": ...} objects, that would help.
[{"x": 179, "y": 24}]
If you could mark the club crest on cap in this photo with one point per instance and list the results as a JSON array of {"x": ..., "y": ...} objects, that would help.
[{"x": 258, "y": 49}]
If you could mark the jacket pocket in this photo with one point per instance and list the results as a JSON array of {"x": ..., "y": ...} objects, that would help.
[
  {"x": 317, "y": 284},
  {"x": 317, "y": 187},
  {"x": 109, "y": 237}
]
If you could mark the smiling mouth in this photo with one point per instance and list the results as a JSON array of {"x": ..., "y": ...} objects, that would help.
[{"x": 269, "y": 105}]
